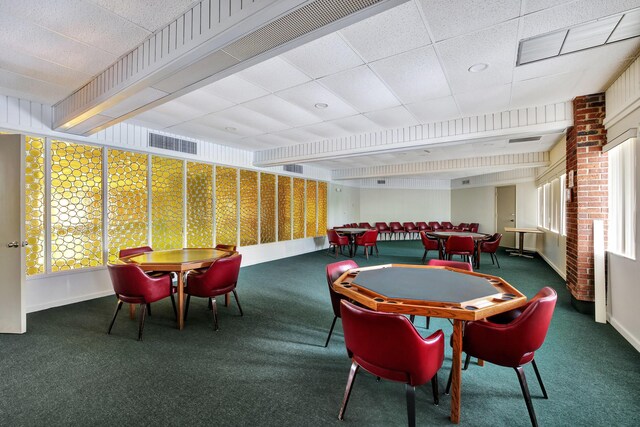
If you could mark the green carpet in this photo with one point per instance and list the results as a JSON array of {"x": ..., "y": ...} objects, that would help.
[{"x": 270, "y": 367}]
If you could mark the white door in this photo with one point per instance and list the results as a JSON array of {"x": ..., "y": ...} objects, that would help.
[
  {"x": 506, "y": 214},
  {"x": 13, "y": 318}
]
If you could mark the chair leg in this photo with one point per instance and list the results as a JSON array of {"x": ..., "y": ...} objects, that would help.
[
  {"x": 377, "y": 253},
  {"x": 492, "y": 259},
  {"x": 448, "y": 387},
  {"x": 428, "y": 322},
  {"x": 214, "y": 311},
  {"x": 411, "y": 405},
  {"x": 497, "y": 262},
  {"x": 434, "y": 387},
  {"x": 149, "y": 309},
  {"x": 347, "y": 391},
  {"x": 143, "y": 314},
  {"x": 424, "y": 256},
  {"x": 366, "y": 252},
  {"x": 235, "y": 294},
  {"x": 173, "y": 303},
  {"x": 535, "y": 368},
  {"x": 466, "y": 363},
  {"x": 186, "y": 306},
  {"x": 527, "y": 397},
  {"x": 412, "y": 318},
  {"x": 331, "y": 330},
  {"x": 115, "y": 313}
]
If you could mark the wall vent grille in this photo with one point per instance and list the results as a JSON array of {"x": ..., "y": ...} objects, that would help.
[
  {"x": 173, "y": 144},
  {"x": 525, "y": 139},
  {"x": 382, "y": 181},
  {"x": 293, "y": 168},
  {"x": 466, "y": 181}
]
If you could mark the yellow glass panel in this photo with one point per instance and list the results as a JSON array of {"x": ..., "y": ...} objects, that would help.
[
  {"x": 167, "y": 209},
  {"x": 34, "y": 205},
  {"x": 267, "y": 208},
  {"x": 298, "y": 208},
  {"x": 199, "y": 205},
  {"x": 322, "y": 208},
  {"x": 284, "y": 208},
  {"x": 311, "y": 208},
  {"x": 126, "y": 201},
  {"x": 226, "y": 206},
  {"x": 76, "y": 206},
  {"x": 248, "y": 208}
]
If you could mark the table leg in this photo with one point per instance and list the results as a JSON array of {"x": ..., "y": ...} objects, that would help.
[
  {"x": 477, "y": 258},
  {"x": 440, "y": 249},
  {"x": 456, "y": 371},
  {"x": 180, "y": 301},
  {"x": 132, "y": 311},
  {"x": 520, "y": 242}
]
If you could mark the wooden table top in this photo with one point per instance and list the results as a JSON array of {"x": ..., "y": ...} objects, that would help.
[
  {"x": 177, "y": 259},
  {"x": 443, "y": 234},
  {"x": 352, "y": 230},
  {"x": 522, "y": 230}
]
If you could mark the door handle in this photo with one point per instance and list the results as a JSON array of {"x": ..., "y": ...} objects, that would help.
[
  {"x": 13, "y": 244},
  {"x": 25, "y": 243}
]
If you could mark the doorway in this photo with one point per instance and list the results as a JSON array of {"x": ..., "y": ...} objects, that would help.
[{"x": 506, "y": 214}]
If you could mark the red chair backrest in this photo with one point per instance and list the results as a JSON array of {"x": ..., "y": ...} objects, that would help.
[
  {"x": 423, "y": 226},
  {"x": 222, "y": 273},
  {"x": 453, "y": 264},
  {"x": 134, "y": 251},
  {"x": 491, "y": 244},
  {"x": 226, "y": 247},
  {"x": 473, "y": 227},
  {"x": 364, "y": 225},
  {"x": 368, "y": 238},
  {"x": 133, "y": 285},
  {"x": 409, "y": 226},
  {"x": 333, "y": 237},
  {"x": 382, "y": 226},
  {"x": 457, "y": 244},
  {"x": 387, "y": 345},
  {"x": 334, "y": 271},
  {"x": 447, "y": 225},
  {"x": 435, "y": 225},
  {"x": 395, "y": 226},
  {"x": 429, "y": 244}
]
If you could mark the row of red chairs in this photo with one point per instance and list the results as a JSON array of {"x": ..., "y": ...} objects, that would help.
[{"x": 396, "y": 228}]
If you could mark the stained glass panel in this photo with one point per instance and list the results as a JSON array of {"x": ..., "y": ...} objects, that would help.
[
  {"x": 284, "y": 208},
  {"x": 311, "y": 208},
  {"x": 322, "y": 208},
  {"x": 298, "y": 208},
  {"x": 226, "y": 206},
  {"x": 126, "y": 201},
  {"x": 166, "y": 203},
  {"x": 34, "y": 205},
  {"x": 76, "y": 206},
  {"x": 267, "y": 208},
  {"x": 248, "y": 208},
  {"x": 199, "y": 205}
]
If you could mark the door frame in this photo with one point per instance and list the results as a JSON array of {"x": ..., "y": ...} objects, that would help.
[{"x": 515, "y": 210}]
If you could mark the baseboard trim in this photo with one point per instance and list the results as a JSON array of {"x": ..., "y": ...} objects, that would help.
[
  {"x": 633, "y": 340},
  {"x": 67, "y": 301},
  {"x": 552, "y": 265}
]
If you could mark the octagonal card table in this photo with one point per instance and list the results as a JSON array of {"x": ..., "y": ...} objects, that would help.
[{"x": 435, "y": 292}]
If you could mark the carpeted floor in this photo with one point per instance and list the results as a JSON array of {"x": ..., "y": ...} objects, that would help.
[{"x": 270, "y": 367}]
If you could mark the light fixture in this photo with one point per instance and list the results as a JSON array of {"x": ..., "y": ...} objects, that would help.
[
  {"x": 321, "y": 105},
  {"x": 230, "y": 129},
  {"x": 479, "y": 67}
]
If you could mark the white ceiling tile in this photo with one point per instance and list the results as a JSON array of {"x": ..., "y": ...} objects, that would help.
[
  {"x": 225, "y": 126},
  {"x": 593, "y": 79},
  {"x": 138, "y": 12},
  {"x": 307, "y": 95},
  {"x": 361, "y": 88},
  {"x": 530, "y": 6},
  {"x": 297, "y": 135},
  {"x": 283, "y": 111},
  {"x": 157, "y": 119},
  {"x": 257, "y": 121},
  {"x": 208, "y": 133},
  {"x": 392, "y": 117},
  {"x": 588, "y": 35},
  {"x": 235, "y": 89},
  {"x": 274, "y": 74},
  {"x": 27, "y": 88},
  {"x": 204, "y": 101},
  {"x": 486, "y": 100},
  {"x": 544, "y": 90},
  {"x": 413, "y": 76},
  {"x": 356, "y": 124},
  {"x": 388, "y": 33},
  {"x": 629, "y": 26},
  {"x": 434, "y": 110},
  {"x": 268, "y": 140},
  {"x": 495, "y": 46},
  {"x": 451, "y": 18},
  {"x": 324, "y": 56},
  {"x": 325, "y": 130}
]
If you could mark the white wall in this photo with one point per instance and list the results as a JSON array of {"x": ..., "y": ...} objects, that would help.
[
  {"x": 344, "y": 205},
  {"x": 404, "y": 205},
  {"x": 527, "y": 211},
  {"x": 475, "y": 205}
]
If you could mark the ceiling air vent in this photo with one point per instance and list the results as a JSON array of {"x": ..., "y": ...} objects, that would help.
[
  {"x": 173, "y": 144},
  {"x": 293, "y": 168},
  {"x": 382, "y": 181},
  {"x": 466, "y": 181},
  {"x": 526, "y": 139}
]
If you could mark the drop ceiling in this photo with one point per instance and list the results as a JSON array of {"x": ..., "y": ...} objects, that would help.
[{"x": 406, "y": 66}]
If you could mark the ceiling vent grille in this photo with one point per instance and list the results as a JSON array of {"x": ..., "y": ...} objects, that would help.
[
  {"x": 526, "y": 139},
  {"x": 466, "y": 181},
  {"x": 382, "y": 181},
  {"x": 293, "y": 168},
  {"x": 173, "y": 144}
]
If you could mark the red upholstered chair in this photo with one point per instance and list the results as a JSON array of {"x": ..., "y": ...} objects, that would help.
[
  {"x": 463, "y": 226},
  {"x": 131, "y": 285},
  {"x": 460, "y": 245},
  {"x": 490, "y": 246},
  {"x": 513, "y": 344},
  {"x": 388, "y": 346},
  {"x": 334, "y": 271},
  {"x": 368, "y": 241},
  {"x": 423, "y": 226},
  {"x": 353, "y": 225},
  {"x": 220, "y": 278},
  {"x": 134, "y": 251},
  {"x": 365, "y": 225},
  {"x": 447, "y": 225},
  {"x": 428, "y": 244},
  {"x": 396, "y": 228},
  {"x": 336, "y": 241},
  {"x": 473, "y": 227},
  {"x": 231, "y": 248},
  {"x": 410, "y": 228},
  {"x": 453, "y": 264},
  {"x": 435, "y": 225},
  {"x": 383, "y": 229}
]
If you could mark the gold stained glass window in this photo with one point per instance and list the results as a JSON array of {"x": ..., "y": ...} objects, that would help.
[
  {"x": 126, "y": 201},
  {"x": 226, "y": 206},
  {"x": 298, "y": 208},
  {"x": 322, "y": 208},
  {"x": 34, "y": 206},
  {"x": 248, "y": 208},
  {"x": 166, "y": 203},
  {"x": 76, "y": 206},
  {"x": 311, "y": 208},
  {"x": 284, "y": 208},
  {"x": 267, "y": 208},
  {"x": 199, "y": 205}
]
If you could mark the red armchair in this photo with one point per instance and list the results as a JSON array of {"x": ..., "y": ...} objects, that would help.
[
  {"x": 219, "y": 279},
  {"x": 396, "y": 228},
  {"x": 446, "y": 225},
  {"x": 365, "y": 225},
  {"x": 435, "y": 225},
  {"x": 460, "y": 245},
  {"x": 336, "y": 241},
  {"x": 463, "y": 226},
  {"x": 373, "y": 339},
  {"x": 410, "y": 228},
  {"x": 134, "y": 251},
  {"x": 132, "y": 286},
  {"x": 368, "y": 241},
  {"x": 490, "y": 246},
  {"x": 383, "y": 229},
  {"x": 513, "y": 344},
  {"x": 473, "y": 227},
  {"x": 453, "y": 264},
  {"x": 428, "y": 244},
  {"x": 423, "y": 226},
  {"x": 334, "y": 271}
]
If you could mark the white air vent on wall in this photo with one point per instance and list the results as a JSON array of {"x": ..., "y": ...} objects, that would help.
[
  {"x": 466, "y": 181},
  {"x": 293, "y": 168},
  {"x": 382, "y": 181},
  {"x": 525, "y": 139},
  {"x": 173, "y": 144}
]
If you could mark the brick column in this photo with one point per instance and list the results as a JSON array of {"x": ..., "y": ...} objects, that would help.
[{"x": 588, "y": 196}]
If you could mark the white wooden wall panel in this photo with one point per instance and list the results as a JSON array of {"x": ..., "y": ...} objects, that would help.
[
  {"x": 499, "y": 178},
  {"x": 623, "y": 95}
]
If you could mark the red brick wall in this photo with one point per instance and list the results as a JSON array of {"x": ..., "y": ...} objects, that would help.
[{"x": 589, "y": 194}]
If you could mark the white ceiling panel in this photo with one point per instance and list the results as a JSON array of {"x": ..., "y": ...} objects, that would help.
[
  {"x": 530, "y": 6},
  {"x": 236, "y": 89},
  {"x": 361, "y": 88},
  {"x": 204, "y": 101},
  {"x": 148, "y": 14},
  {"x": 495, "y": 46},
  {"x": 255, "y": 120},
  {"x": 298, "y": 135},
  {"x": 274, "y": 74},
  {"x": 469, "y": 15},
  {"x": 414, "y": 75},
  {"x": 539, "y": 91},
  {"x": 435, "y": 110},
  {"x": 391, "y": 32},
  {"x": 268, "y": 140},
  {"x": 355, "y": 124},
  {"x": 325, "y": 130},
  {"x": 593, "y": 80},
  {"x": 395, "y": 117},
  {"x": 628, "y": 27},
  {"x": 208, "y": 133},
  {"x": 486, "y": 100},
  {"x": 283, "y": 111},
  {"x": 226, "y": 126},
  {"x": 327, "y": 55},
  {"x": 17, "y": 85},
  {"x": 156, "y": 119},
  {"x": 307, "y": 95},
  {"x": 589, "y": 35}
]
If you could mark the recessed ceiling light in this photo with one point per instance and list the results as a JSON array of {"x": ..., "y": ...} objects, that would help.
[
  {"x": 230, "y": 129},
  {"x": 476, "y": 68},
  {"x": 321, "y": 105}
]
